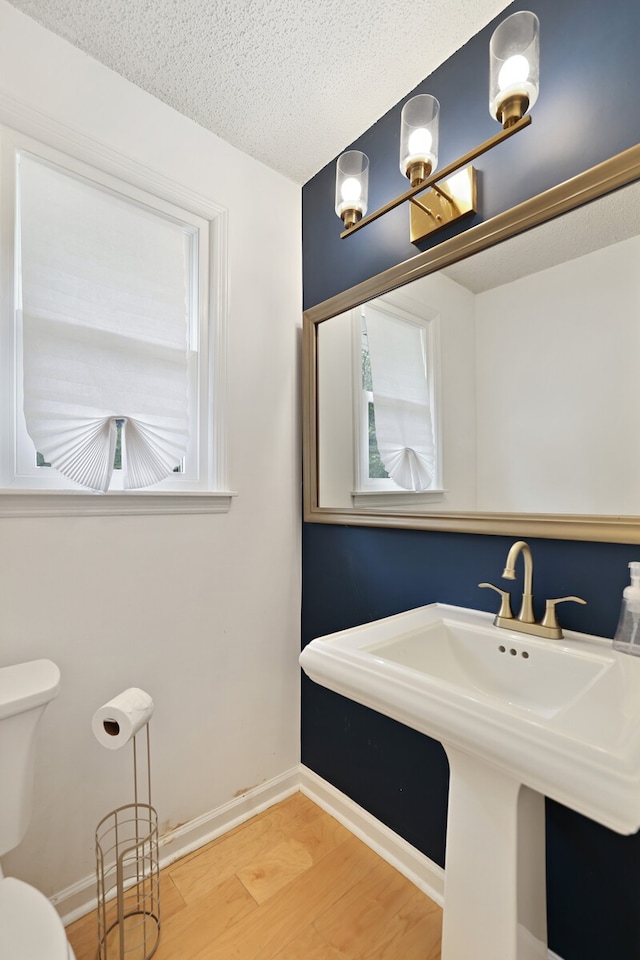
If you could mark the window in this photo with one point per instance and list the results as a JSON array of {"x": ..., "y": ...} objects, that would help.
[
  {"x": 109, "y": 345},
  {"x": 397, "y": 422}
]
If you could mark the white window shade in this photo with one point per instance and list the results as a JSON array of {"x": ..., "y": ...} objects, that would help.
[
  {"x": 401, "y": 399},
  {"x": 105, "y": 324}
]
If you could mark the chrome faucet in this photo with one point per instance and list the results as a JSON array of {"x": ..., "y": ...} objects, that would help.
[{"x": 525, "y": 622}]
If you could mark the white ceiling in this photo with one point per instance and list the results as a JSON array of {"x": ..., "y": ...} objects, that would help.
[
  {"x": 290, "y": 82},
  {"x": 608, "y": 220}
]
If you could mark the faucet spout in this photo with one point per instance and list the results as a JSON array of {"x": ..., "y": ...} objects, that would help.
[
  {"x": 509, "y": 573},
  {"x": 525, "y": 622}
]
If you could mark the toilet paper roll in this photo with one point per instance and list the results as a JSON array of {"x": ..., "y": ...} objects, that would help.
[{"x": 117, "y": 721}]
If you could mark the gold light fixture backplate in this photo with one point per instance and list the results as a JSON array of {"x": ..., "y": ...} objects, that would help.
[{"x": 443, "y": 204}]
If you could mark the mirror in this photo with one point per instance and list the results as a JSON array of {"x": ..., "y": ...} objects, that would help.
[{"x": 517, "y": 344}]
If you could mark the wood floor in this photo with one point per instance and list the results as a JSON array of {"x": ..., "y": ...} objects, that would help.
[{"x": 290, "y": 884}]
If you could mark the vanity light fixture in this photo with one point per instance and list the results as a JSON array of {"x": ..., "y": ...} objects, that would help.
[{"x": 452, "y": 192}]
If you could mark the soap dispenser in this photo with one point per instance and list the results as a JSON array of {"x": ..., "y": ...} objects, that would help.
[{"x": 627, "y": 638}]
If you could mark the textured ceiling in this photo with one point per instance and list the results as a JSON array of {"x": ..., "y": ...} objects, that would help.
[{"x": 289, "y": 82}]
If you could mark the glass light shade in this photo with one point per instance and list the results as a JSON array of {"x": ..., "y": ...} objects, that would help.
[
  {"x": 352, "y": 186},
  {"x": 514, "y": 77},
  {"x": 419, "y": 137}
]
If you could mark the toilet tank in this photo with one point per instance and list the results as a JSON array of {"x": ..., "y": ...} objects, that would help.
[{"x": 25, "y": 690}]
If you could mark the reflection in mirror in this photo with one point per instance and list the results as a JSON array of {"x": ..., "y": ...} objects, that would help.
[
  {"x": 519, "y": 366},
  {"x": 390, "y": 440}
]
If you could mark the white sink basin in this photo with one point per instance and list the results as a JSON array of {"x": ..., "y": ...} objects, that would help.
[
  {"x": 473, "y": 658},
  {"x": 562, "y": 716}
]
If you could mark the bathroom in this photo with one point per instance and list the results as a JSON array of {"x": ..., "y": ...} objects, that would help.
[{"x": 162, "y": 600}]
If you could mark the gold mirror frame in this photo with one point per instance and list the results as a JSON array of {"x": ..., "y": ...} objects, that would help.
[{"x": 616, "y": 172}]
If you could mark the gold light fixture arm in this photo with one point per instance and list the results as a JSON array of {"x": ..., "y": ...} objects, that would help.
[
  {"x": 440, "y": 175},
  {"x": 438, "y": 189},
  {"x": 421, "y": 206}
]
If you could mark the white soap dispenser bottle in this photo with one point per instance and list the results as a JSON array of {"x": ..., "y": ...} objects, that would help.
[{"x": 627, "y": 638}]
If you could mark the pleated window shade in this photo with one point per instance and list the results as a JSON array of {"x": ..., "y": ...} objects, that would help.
[
  {"x": 105, "y": 322},
  {"x": 401, "y": 399}
]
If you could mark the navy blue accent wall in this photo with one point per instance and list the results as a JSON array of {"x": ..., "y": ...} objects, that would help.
[{"x": 587, "y": 111}]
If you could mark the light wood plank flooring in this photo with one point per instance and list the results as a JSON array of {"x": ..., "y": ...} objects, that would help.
[{"x": 290, "y": 884}]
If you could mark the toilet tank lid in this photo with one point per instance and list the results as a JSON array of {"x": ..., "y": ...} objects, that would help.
[{"x": 24, "y": 686}]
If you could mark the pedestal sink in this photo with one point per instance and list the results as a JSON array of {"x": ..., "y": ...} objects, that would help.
[{"x": 520, "y": 718}]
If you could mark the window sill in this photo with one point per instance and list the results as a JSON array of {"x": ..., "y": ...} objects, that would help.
[
  {"x": 68, "y": 503},
  {"x": 390, "y": 500}
]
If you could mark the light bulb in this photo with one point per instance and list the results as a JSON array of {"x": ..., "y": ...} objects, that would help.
[
  {"x": 513, "y": 71},
  {"x": 351, "y": 190},
  {"x": 419, "y": 137},
  {"x": 352, "y": 186},
  {"x": 514, "y": 67},
  {"x": 420, "y": 142}
]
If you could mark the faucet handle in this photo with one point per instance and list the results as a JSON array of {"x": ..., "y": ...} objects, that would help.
[
  {"x": 505, "y": 602},
  {"x": 550, "y": 619}
]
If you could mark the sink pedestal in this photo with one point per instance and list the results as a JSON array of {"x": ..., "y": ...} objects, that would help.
[{"x": 495, "y": 884}]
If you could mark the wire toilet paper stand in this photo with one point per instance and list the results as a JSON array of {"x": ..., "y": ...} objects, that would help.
[{"x": 128, "y": 875}]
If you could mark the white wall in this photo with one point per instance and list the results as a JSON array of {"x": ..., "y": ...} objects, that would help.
[
  {"x": 201, "y": 611},
  {"x": 336, "y": 429},
  {"x": 557, "y": 374}
]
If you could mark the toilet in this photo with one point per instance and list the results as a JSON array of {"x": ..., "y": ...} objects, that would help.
[{"x": 30, "y": 928}]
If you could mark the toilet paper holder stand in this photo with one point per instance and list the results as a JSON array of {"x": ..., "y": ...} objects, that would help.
[{"x": 128, "y": 873}]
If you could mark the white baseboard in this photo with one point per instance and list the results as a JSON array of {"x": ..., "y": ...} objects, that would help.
[
  {"x": 190, "y": 836},
  {"x": 79, "y": 899},
  {"x": 415, "y": 866}
]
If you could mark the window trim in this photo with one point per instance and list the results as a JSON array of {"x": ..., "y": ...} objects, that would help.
[
  {"x": 55, "y": 142},
  {"x": 72, "y": 503}
]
